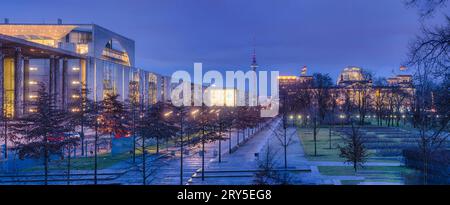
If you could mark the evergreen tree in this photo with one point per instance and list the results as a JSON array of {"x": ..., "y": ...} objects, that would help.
[
  {"x": 112, "y": 117},
  {"x": 40, "y": 133}
]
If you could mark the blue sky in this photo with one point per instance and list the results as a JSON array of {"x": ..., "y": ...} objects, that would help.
[{"x": 325, "y": 35}]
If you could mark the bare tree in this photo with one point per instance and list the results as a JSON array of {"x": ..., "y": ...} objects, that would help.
[
  {"x": 354, "y": 151},
  {"x": 268, "y": 173},
  {"x": 206, "y": 125},
  {"x": 361, "y": 95},
  {"x": 432, "y": 137},
  {"x": 427, "y": 7},
  {"x": 284, "y": 138},
  {"x": 153, "y": 123},
  {"x": 133, "y": 109},
  {"x": 267, "y": 164},
  {"x": 430, "y": 50},
  {"x": 379, "y": 100}
]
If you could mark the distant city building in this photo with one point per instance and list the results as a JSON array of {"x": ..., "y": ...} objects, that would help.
[
  {"x": 400, "y": 80},
  {"x": 353, "y": 83},
  {"x": 223, "y": 97},
  {"x": 353, "y": 75}
]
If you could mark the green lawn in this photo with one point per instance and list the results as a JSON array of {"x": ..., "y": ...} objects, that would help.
[
  {"x": 104, "y": 160},
  {"x": 85, "y": 163},
  {"x": 387, "y": 174},
  {"x": 349, "y": 171},
  {"x": 324, "y": 153}
]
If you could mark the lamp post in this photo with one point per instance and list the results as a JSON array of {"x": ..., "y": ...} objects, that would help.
[{"x": 181, "y": 114}]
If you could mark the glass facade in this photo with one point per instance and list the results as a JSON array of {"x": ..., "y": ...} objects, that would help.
[
  {"x": 153, "y": 89},
  {"x": 8, "y": 86}
]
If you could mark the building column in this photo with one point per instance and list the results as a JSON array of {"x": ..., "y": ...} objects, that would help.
[
  {"x": 65, "y": 64},
  {"x": 1, "y": 79},
  {"x": 18, "y": 83},
  {"x": 26, "y": 84},
  {"x": 53, "y": 77}
]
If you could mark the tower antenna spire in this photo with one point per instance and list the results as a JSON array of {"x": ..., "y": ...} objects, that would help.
[{"x": 254, "y": 64}]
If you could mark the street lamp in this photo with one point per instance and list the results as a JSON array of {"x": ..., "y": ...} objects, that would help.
[
  {"x": 167, "y": 114},
  {"x": 193, "y": 113}
]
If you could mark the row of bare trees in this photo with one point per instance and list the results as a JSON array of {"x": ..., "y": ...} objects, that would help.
[{"x": 51, "y": 131}]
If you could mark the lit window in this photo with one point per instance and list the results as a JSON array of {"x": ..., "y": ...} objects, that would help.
[
  {"x": 32, "y": 110},
  {"x": 75, "y": 82},
  {"x": 32, "y": 82},
  {"x": 33, "y": 96},
  {"x": 75, "y": 68},
  {"x": 82, "y": 48},
  {"x": 33, "y": 69},
  {"x": 75, "y": 96}
]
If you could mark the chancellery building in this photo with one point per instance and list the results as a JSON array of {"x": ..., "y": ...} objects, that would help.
[{"x": 65, "y": 57}]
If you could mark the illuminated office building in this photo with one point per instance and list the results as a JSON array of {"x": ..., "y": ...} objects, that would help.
[{"x": 66, "y": 57}]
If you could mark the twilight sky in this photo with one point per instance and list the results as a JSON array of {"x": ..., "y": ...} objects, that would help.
[{"x": 325, "y": 35}]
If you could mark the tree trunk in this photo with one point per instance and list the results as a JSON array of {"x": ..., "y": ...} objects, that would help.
[
  {"x": 229, "y": 141},
  {"x": 203, "y": 154},
  {"x": 285, "y": 148},
  {"x": 46, "y": 161},
  {"x": 220, "y": 150},
  {"x": 82, "y": 138},
  {"x": 68, "y": 165},
  {"x": 157, "y": 144},
  {"x": 315, "y": 139},
  {"x": 181, "y": 151},
  {"x": 144, "y": 171},
  {"x": 6, "y": 137},
  {"x": 134, "y": 140},
  {"x": 237, "y": 135},
  {"x": 95, "y": 154},
  {"x": 329, "y": 134}
]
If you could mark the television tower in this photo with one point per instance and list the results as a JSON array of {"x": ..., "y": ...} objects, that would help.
[{"x": 254, "y": 65}]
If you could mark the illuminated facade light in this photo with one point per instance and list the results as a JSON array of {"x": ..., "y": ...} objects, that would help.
[
  {"x": 75, "y": 96},
  {"x": 32, "y": 82},
  {"x": 32, "y": 96},
  {"x": 194, "y": 112},
  {"x": 75, "y": 68},
  {"x": 33, "y": 69},
  {"x": 32, "y": 110},
  {"x": 75, "y": 82},
  {"x": 75, "y": 110},
  {"x": 287, "y": 77}
]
